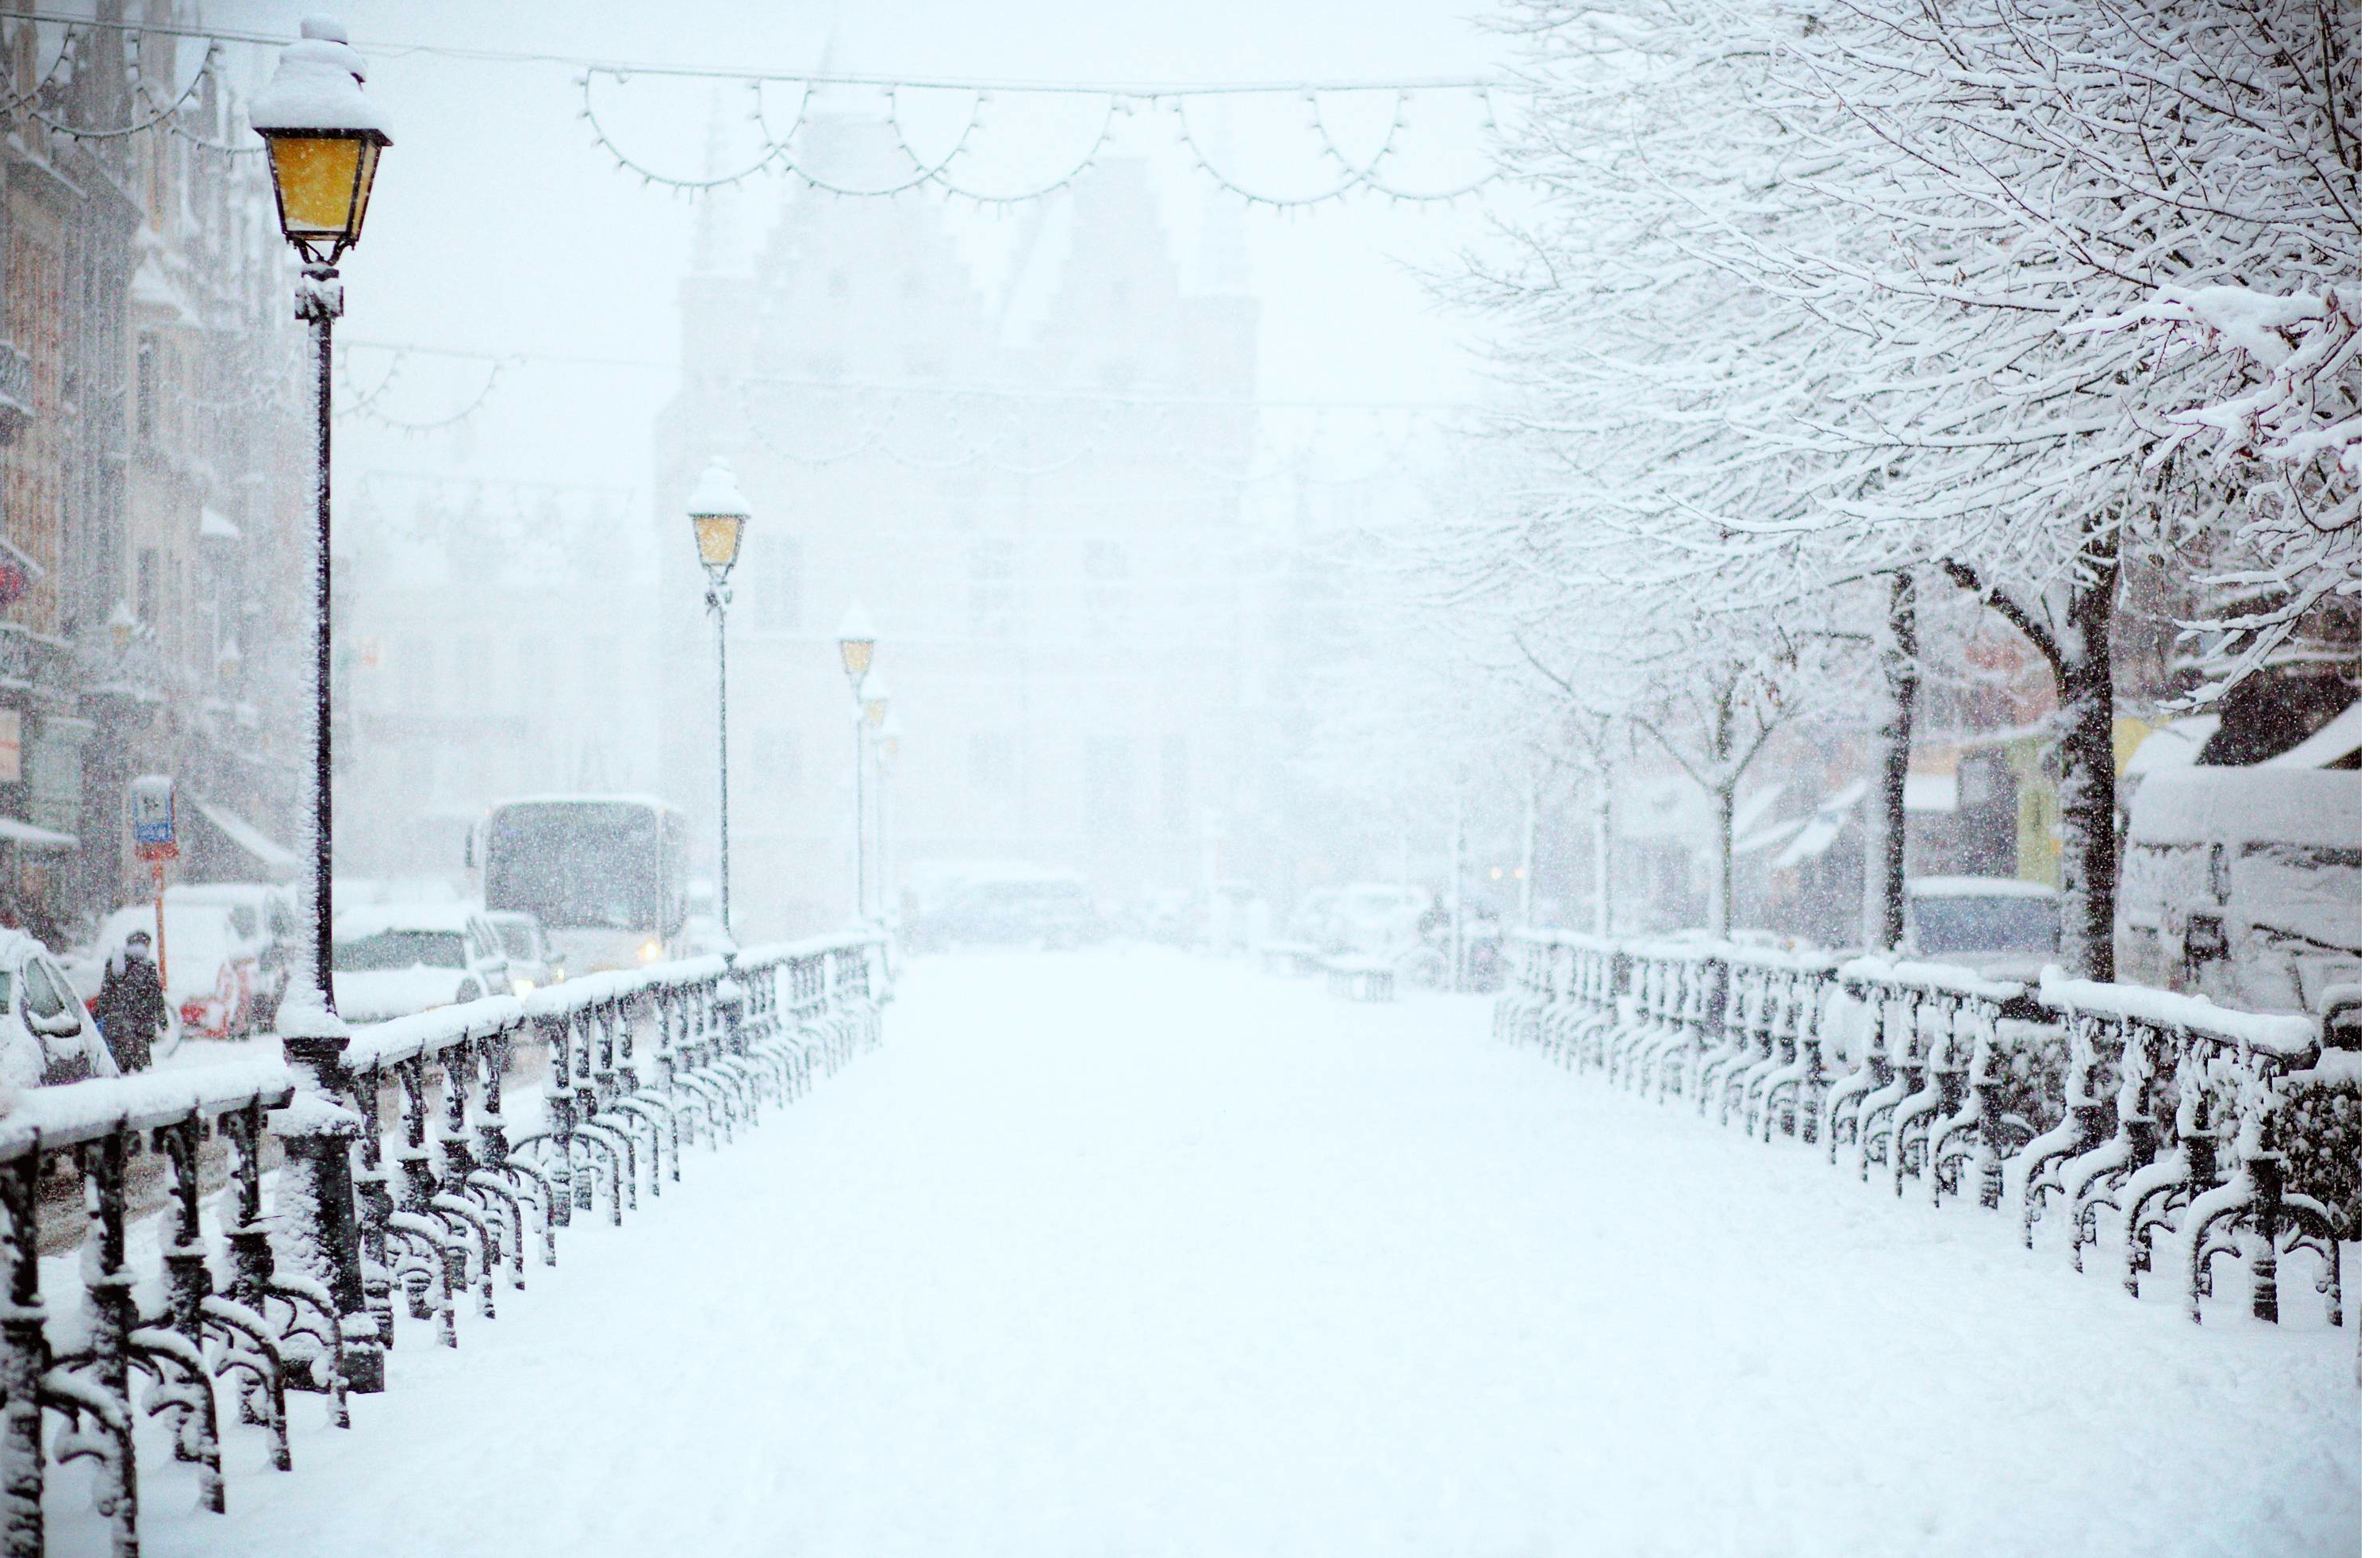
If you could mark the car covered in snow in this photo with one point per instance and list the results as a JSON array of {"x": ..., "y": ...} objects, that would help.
[
  {"x": 2244, "y": 884},
  {"x": 2000, "y": 926},
  {"x": 528, "y": 960},
  {"x": 264, "y": 916},
  {"x": 391, "y": 961},
  {"x": 46, "y": 1035},
  {"x": 1016, "y": 907},
  {"x": 1374, "y": 919},
  {"x": 213, "y": 973}
]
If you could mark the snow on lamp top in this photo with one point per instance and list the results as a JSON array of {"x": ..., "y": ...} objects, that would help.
[
  {"x": 317, "y": 85},
  {"x": 324, "y": 137},
  {"x": 717, "y": 508}
]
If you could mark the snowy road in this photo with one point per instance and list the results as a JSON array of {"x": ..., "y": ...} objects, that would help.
[{"x": 1128, "y": 1253}]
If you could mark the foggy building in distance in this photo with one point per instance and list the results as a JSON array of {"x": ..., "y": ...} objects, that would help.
[
  {"x": 1042, "y": 520},
  {"x": 498, "y": 645}
]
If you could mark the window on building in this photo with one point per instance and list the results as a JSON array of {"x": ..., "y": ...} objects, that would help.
[
  {"x": 144, "y": 586},
  {"x": 777, "y": 577},
  {"x": 777, "y": 761},
  {"x": 1105, "y": 592},
  {"x": 992, "y": 760},
  {"x": 471, "y": 674},
  {"x": 418, "y": 664},
  {"x": 1107, "y": 784},
  {"x": 991, "y": 588},
  {"x": 144, "y": 389},
  {"x": 1173, "y": 780}
]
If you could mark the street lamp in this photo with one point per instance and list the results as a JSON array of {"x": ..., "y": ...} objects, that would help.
[
  {"x": 856, "y": 639},
  {"x": 719, "y": 513},
  {"x": 323, "y": 139}
]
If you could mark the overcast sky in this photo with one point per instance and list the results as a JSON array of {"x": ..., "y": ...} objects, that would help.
[{"x": 497, "y": 226}]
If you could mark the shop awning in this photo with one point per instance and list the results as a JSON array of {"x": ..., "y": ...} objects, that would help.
[
  {"x": 276, "y": 861},
  {"x": 27, "y": 836}
]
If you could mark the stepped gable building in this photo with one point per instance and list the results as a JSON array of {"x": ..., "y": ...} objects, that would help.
[{"x": 1035, "y": 494}]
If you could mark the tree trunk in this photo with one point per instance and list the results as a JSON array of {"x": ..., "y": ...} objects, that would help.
[
  {"x": 1603, "y": 851},
  {"x": 2086, "y": 723},
  {"x": 1722, "y": 800},
  {"x": 1722, "y": 903},
  {"x": 1886, "y": 908},
  {"x": 1529, "y": 854}
]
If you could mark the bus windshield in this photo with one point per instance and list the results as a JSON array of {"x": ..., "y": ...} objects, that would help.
[{"x": 581, "y": 865}]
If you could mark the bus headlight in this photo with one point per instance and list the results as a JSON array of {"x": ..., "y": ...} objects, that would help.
[
  {"x": 647, "y": 952},
  {"x": 524, "y": 986}
]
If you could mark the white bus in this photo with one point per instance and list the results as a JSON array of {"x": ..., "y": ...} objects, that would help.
[{"x": 604, "y": 875}]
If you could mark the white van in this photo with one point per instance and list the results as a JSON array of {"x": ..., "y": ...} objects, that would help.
[{"x": 2245, "y": 885}]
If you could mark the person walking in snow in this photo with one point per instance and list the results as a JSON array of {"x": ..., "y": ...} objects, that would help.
[{"x": 131, "y": 1004}]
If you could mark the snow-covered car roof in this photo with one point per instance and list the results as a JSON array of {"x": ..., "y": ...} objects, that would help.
[
  {"x": 16, "y": 944},
  {"x": 372, "y": 919},
  {"x": 1977, "y": 887},
  {"x": 378, "y": 994}
]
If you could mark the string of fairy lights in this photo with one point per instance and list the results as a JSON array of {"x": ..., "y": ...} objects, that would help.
[
  {"x": 779, "y": 149},
  {"x": 1005, "y": 428}
]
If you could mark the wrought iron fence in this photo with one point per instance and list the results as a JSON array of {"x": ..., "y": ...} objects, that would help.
[
  {"x": 2160, "y": 1125},
  {"x": 388, "y": 1175}
]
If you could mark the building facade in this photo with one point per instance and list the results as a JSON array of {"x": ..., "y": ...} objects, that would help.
[
  {"x": 154, "y": 468},
  {"x": 1042, "y": 517}
]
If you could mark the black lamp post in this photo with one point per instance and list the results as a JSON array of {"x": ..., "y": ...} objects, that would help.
[
  {"x": 323, "y": 139},
  {"x": 857, "y": 642},
  {"x": 719, "y": 513}
]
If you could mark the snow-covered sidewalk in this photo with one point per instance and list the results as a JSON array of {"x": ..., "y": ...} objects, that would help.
[{"x": 1123, "y": 1252}]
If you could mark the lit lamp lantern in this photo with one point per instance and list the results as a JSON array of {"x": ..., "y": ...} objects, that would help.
[
  {"x": 857, "y": 641},
  {"x": 875, "y": 698},
  {"x": 323, "y": 137},
  {"x": 719, "y": 513}
]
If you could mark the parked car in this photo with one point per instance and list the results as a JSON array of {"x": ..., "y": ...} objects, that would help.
[
  {"x": 1997, "y": 926},
  {"x": 1376, "y": 918},
  {"x": 212, "y": 972},
  {"x": 1012, "y": 909},
  {"x": 391, "y": 960},
  {"x": 46, "y": 1036},
  {"x": 528, "y": 962},
  {"x": 2245, "y": 885},
  {"x": 265, "y": 916}
]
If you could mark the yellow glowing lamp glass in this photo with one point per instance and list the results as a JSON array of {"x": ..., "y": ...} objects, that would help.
[
  {"x": 323, "y": 181},
  {"x": 876, "y": 710},
  {"x": 719, "y": 513},
  {"x": 719, "y": 537},
  {"x": 856, "y": 654}
]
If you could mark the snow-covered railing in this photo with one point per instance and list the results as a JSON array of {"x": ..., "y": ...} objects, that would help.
[
  {"x": 304, "y": 1296},
  {"x": 2142, "y": 1112}
]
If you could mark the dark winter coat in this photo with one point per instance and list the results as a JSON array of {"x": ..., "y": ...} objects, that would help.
[{"x": 131, "y": 1010}]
